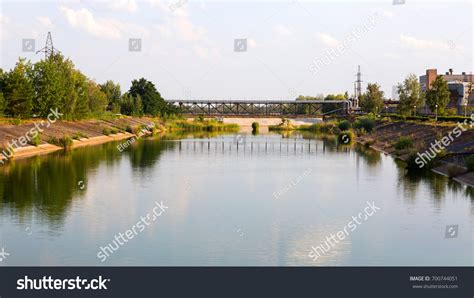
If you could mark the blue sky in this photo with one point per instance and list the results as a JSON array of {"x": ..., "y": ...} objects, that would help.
[{"x": 188, "y": 46}]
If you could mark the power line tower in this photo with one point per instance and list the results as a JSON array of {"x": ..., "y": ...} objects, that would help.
[
  {"x": 358, "y": 87},
  {"x": 48, "y": 49}
]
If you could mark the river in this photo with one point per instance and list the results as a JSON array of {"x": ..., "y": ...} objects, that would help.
[{"x": 231, "y": 200}]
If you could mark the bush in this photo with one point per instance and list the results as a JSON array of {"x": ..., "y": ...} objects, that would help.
[
  {"x": 255, "y": 127},
  {"x": 344, "y": 125},
  {"x": 365, "y": 123},
  {"x": 470, "y": 162},
  {"x": 65, "y": 141},
  {"x": 403, "y": 143},
  {"x": 129, "y": 129},
  {"x": 106, "y": 131},
  {"x": 114, "y": 131},
  {"x": 36, "y": 140},
  {"x": 454, "y": 170},
  {"x": 78, "y": 135}
]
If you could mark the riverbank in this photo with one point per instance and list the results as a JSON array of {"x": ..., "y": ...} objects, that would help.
[
  {"x": 21, "y": 139},
  {"x": 36, "y": 137},
  {"x": 409, "y": 141}
]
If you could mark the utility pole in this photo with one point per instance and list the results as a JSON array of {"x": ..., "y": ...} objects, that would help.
[
  {"x": 48, "y": 49},
  {"x": 358, "y": 86}
]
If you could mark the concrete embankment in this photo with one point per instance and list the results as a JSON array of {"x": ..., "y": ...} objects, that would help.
[
  {"x": 459, "y": 142},
  {"x": 84, "y": 133}
]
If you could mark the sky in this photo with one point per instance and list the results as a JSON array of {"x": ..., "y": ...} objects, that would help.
[{"x": 284, "y": 48}]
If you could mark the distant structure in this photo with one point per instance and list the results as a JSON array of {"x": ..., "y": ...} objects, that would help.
[
  {"x": 461, "y": 87},
  {"x": 48, "y": 49},
  {"x": 358, "y": 88},
  {"x": 395, "y": 95}
]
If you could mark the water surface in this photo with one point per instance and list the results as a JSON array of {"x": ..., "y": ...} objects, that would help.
[{"x": 232, "y": 200}]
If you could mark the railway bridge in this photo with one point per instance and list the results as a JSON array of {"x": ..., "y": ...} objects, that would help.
[{"x": 261, "y": 108}]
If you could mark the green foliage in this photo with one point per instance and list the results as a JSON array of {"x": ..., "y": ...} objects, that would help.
[
  {"x": 106, "y": 131},
  {"x": 153, "y": 103},
  {"x": 372, "y": 100},
  {"x": 113, "y": 94},
  {"x": 78, "y": 135},
  {"x": 131, "y": 105},
  {"x": 410, "y": 95},
  {"x": 344, "y": 125},
  {"x": 438, "y": 95},
  {"x": 64, "y": 141},
  {"x": 19, "y": 91},
  {"x": 129, "y": 129},
  {"x": 35, "y": 140},
  {"x": 470, "y": 162},
  {"x": 255, "y": 127},
  {"x": 404, "y": 143},
  {"x": 366, "y": 124},
  {"x": 208, "y": 125}
]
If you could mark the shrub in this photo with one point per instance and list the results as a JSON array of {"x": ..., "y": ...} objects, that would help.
[
  {"x": 454, "y": 170},
  {"x": 365, "y": 123},
  {"x": 78, "y": 135},
  {"x": 114, "y": 131},
  {"x": 36, "y": 140},
  {"x": 403, "y": 143},
  {"x": 65, "y": 141},
  {"x": 344, "y": 125},
  {"x": 470, "y": 162},
  {"x": 129, "y": 129},
  {"x": 106, "y": 131},
  {"x": 255, "y": 127}
]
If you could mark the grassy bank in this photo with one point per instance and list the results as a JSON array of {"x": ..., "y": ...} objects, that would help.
[{"x": 200, "y": 125}]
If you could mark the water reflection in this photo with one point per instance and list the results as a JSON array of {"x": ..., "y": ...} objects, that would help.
[{"x": 45, "y": 187}]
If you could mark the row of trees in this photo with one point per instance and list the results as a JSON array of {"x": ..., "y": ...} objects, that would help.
[
  {"x": 33, "y": 89},
  {"x": 410, "y": 94}
]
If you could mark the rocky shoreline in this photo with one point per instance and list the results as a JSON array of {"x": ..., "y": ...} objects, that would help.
[{"x": 386, "y": 135}]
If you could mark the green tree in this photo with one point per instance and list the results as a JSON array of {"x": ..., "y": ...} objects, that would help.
[
  {"x": 332, "y": 108},
  {"x": 96, "y": 99},
  {"x": 19, "y": 91},
  {"x": 410, "y": 94},
  {"x": 438, "y": 94},
  {"x": 113, "y": 93},
  {"x": 153, "y": 103},
  {"x": 372, "y": 100},
  {"x": 3, "y": 103}
]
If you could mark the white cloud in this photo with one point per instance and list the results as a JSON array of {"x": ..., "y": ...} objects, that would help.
[
  {"x": 4, "y": 19},
  {"x": 422, "y": 44},
  {"x": 45, "y": 21},
  {"x": 124, "y": 5},
  {"x": 327, "y": 39},
  {"x": 283, "y": 30},
  {"x": 251, "y": 43},
  {"x": 101, "y": 27},
  {"x": 387, "y": 14},
  {"x": 177, "y": 24}
]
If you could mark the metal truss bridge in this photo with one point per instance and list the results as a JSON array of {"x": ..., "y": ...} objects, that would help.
[{"x": 261, "y": 108}]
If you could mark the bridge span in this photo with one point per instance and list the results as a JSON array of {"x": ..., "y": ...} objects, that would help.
[{"x": 261, "y": 108}]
